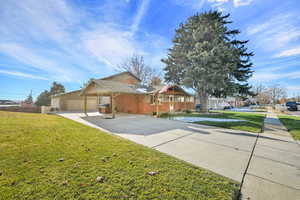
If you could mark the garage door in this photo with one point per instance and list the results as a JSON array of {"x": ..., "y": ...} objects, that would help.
[{"x": 78, "y": 105}]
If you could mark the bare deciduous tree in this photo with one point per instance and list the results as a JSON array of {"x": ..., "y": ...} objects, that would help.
[
  {"x": 276, "y": 92},
  {"x": 262, "y": 95},
  {"x": 271, "y": 94},
  {"x": 155, "y": 81},
  {"x": 136, "y": 65}
]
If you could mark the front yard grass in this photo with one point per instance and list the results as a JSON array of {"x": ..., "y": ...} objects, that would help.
[
  {"x": 254, "y": 121},
  {"x": 49, "y": 157},
  {"x": 292, "y": 123}
]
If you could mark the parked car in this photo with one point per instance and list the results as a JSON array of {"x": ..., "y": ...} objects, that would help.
[
  {"x": 198, "y": 107},
  {"x": 291, "y": 106},
  {"x": 228, "y": 107}
]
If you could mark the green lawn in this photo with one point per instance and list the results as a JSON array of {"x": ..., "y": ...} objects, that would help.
[
  {"x": 30, "y": 168},
  {"x": 254, "y": 121},
  {"x": 292, "y": 124}
]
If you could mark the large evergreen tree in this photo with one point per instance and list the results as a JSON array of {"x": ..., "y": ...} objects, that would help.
[
  {"x": 29, "y": 99},
  {"x": 44, "y": 99},
  {"x": 57, "y": 88},
  {"x": 207, "y": 57}
]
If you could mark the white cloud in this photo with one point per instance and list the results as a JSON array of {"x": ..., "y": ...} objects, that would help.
[
  {"x": 277, "y": 33},
  {"x": 26, "y": 56},
  {"x": 238, "y": 3},
  {"x": 268, "y": 76},
  {"x": 289, "y": 52},
  {"x": 293, "y": 88},
  {"x": 140, "y": 13},
  {"x": 65, "y": 42},
  {"x": 38, "y": 34},
  {"x": 217, "y": 1},
  {"x": 195, "y": 4},
  {"x": 109, "y": 45},
  {"x": 42, "y": 20},
  {"x": 219, "y": 4},
  {"x": 22, "y": 74}
]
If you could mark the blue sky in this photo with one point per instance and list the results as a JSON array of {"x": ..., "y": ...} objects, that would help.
[{"x": 70, "y": 41}]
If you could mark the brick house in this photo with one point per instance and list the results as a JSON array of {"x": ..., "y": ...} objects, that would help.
[{"x": 123, "y": 93}]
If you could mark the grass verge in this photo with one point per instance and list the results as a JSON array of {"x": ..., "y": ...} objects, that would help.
[
  {"x": 292, "y": 123},
  {"x": 49, "y": 157},
  {"x": 254, "y": 121}
]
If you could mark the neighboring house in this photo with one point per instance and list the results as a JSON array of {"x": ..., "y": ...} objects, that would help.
[
  {"x": 8, "y": 102},
  {"x": 215, "y": 103},
  {"x": 123, "y": 93}
]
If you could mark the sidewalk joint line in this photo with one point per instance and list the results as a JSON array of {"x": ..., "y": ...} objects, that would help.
[
  {"x": 172, "y": 140},
  {"x": 223, "y": 145},
  {"x": 279, "y": 149},
  {"x": 246, "y": 170},
  {"x": 283, "y": 163},
  {"x": 250, "y": 174}
]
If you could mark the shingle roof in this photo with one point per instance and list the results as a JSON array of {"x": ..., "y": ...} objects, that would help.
[
  {"x": 62, "y": 94},
  {"x": 164, "y": 88},
  {"x": 121, "y": 73},
  {"x": 115, "y": 86}
]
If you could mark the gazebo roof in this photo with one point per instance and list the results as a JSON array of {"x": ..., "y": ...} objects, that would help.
[{"x": 106, "y": 86}]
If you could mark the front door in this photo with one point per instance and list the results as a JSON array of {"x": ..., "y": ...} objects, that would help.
[{"x": 171, "y": 103}]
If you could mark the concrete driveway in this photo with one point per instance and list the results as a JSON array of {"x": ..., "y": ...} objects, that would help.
[
  {"x": 267, "y": 164},
  {"x": 295, "y": 113},
  {"x": 222, "y": 151}
]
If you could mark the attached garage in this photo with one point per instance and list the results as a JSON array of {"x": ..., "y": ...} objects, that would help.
[
  {"x": 78, "y": 104},
  {"x": 72, "y": 101}
]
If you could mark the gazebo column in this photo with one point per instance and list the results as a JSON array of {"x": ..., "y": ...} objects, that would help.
[
  {"x": 185, "y": 102},
  {"x": 85, "y": 104},
  {"x": 156, "y": 102},
  {"x": 113, "y": 110}
]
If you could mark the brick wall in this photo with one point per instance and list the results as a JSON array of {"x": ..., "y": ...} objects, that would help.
[
  {"x": 127, "y": 103},
  {"x": 144, "y": 106}
]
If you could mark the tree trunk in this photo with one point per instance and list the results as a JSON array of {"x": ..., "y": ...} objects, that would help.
[{"x": 203, "y": 97}]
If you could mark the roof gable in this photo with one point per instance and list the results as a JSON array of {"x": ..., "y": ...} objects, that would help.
[
  {"x": 123, "y": 76},
  {"x": 164, "y": 89}
]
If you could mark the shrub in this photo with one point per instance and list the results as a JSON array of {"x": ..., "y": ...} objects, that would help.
[
  {"x": 164, "y": 114},
  {"x": 187, "y": 111}
]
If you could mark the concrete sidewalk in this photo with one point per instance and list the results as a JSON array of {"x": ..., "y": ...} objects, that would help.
[
  {"x": 268, "y": 164},
  {"x": 220, "y": 150},
  {"x": 274, "y": 169}
]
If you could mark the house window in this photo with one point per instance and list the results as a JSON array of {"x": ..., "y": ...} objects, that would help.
[
  {"x": 178, "y": 98},
  {"x": 181, "y": 99},
  {"x": 190, "y": 99},
  {"x": 161, "y": 99},
  {"x": 165, "y": 98},
  {"x": 171, "y": 98},
  {"x": 152, "y": 99}
]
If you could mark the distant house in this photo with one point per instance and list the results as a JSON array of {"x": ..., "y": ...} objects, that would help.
[
  {"x": 215, "y": 103},
  {"x": 221, "y": 103},
  {"x": 8, "y": 102},
  {"x": 123, "y": 93}
]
